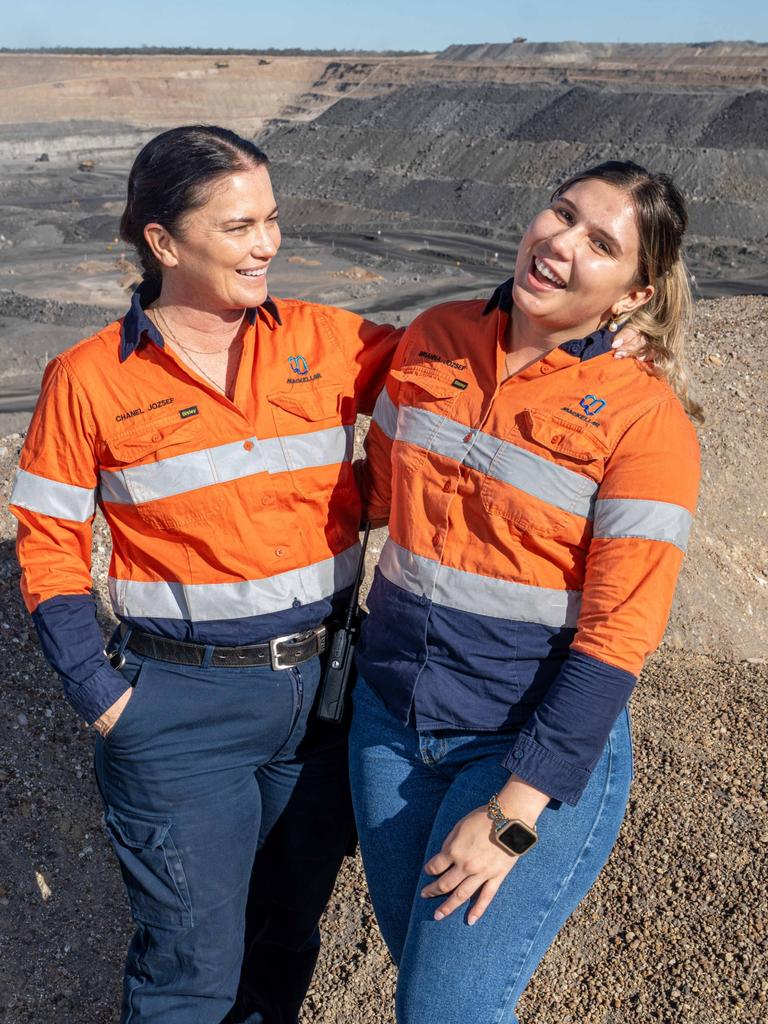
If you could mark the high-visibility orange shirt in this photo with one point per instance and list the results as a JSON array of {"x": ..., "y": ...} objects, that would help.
[
  {"x": 537, "y": 526},
  {"x": 232, "y": 522}
]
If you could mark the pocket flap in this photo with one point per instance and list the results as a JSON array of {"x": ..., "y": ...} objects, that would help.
[
  {"x": 149, "y": 437},
  {"x": 309, "y": 403},
  {"x": 429, "y": 379},
  {"x": 137, "y": 832},
  {"x": 560, "y": 434}
]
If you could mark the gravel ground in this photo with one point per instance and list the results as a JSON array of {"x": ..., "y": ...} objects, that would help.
[{"x": 675, "y": 928}]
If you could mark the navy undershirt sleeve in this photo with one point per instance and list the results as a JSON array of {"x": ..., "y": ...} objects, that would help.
[
  {"x": 563, "y": 740},
  {"x": 73, "y": 645}
]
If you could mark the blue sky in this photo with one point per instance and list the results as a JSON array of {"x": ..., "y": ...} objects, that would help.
[{"x": 387, "y": 24}]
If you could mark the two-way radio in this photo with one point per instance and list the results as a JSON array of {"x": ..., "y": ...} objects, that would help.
[{"x": 339, "y": 674}]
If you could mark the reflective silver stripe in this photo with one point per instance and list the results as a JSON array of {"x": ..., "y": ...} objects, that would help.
[
  {"x": 419, "y": 426},
  {"x": 53, "y": 498},
  {"x": 648, "y": 520},
  {"x": 385, "y": 414},
  {"x": 181, "y": 473},
  {"x": 202, "y": 602},
  {"x": 501, "y": 460},
  {"x": 319, "y": 448},
  {"x": 483, "y": 595}
]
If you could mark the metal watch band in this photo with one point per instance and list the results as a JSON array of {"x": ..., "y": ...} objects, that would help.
[
  {"x": 495, "y": 812},
  {"x": 498, "y": 816}
]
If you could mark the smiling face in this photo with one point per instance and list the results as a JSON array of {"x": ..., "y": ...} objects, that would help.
[
  {"x": 218, "y": 258},
  {"x": 577, "y": 263}
]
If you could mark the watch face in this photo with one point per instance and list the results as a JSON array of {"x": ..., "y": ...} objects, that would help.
[{"x": 517, "y": 837}]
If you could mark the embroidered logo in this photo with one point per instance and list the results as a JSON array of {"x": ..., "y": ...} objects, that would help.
[
  {"x": 299, "y": 365},
  {"x": 191, "y": 410},
  {"x": 592, "y": 405}
]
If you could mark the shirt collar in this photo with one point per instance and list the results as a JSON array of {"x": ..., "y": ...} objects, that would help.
[
  {"x": 595, "y": 344},
  {"x": 137, "y": 325}
]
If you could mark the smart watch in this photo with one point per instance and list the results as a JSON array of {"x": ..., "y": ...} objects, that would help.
[{"x": 514, "y": 835}]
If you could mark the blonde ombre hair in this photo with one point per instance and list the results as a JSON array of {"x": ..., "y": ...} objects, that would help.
[{"x": 661, "y": 219}]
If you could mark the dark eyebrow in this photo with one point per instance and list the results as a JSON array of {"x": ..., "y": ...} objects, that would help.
[
  {"x": 249, "y": 220},
  {"x": 609, "y": 238}
]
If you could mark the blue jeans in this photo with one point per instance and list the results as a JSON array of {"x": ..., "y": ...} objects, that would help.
[
  {"x": 228, "y": 807},
  {"x": 409, "y": 789}
]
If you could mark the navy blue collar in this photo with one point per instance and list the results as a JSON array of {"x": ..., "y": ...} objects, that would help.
[
  {"x": 136, "y": 324},
  {"x": 595, "y": 344}
]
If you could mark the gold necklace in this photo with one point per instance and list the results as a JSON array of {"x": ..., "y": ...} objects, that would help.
[
  {"x": 188, "y": 352},
  {"x": 186, "y": 348}
]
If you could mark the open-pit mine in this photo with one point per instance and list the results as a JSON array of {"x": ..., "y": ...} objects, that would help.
[{"x": 404, "y": 181}]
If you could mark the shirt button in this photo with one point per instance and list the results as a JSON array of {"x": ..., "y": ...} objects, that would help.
[
  {"x": 156, "y": 437},
  {"x": 468, "y": 437},
  {"x": 279, "y": 552},
  {"x": 436, "y": 540},
  {"x": 558, "y": 439},
  {"x": 248, "y": 445},
  {"x": 544, "y": 368},
  {"x": 423, "y": 599},
  {"x": 517, "y": 754},
  {"x": 448, "y": 485},
  {"x": 266, "y": 500}
]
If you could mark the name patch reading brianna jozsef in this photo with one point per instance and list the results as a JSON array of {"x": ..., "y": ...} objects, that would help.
[{"x": 191, "y": 410}]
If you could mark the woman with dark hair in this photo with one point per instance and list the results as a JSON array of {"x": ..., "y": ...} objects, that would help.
[
  {"x": 539, "y": 497},
  {"x": 213, "y": 427}
]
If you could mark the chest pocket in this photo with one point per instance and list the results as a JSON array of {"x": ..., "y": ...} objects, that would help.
[
  {"x": 543, "y": 474},
  {"x": 311, "y": 438},
  {"x": 427, "y": 400},
  {"x": 152, "y": 469}
]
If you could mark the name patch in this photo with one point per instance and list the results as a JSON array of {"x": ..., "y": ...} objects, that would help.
[
  {"x": 191, "y": 410},
  {"x": 130, "y": 413},
  {"x": 435, "y": 358}
]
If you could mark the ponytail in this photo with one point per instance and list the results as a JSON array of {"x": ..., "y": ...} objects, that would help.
[{"x": 665, "y": 321}]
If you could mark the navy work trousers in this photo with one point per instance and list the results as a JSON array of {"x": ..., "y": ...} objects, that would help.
[{"x": 228, "y": 806}]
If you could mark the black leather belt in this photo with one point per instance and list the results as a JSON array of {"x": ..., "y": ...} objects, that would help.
[{"x": 279, "y": 653}]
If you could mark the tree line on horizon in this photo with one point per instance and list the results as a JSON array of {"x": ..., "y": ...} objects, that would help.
[{"x": 205, "y": 51}]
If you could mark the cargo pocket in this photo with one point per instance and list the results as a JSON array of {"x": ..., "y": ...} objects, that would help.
[
  {"x": 544, "y": 473},
  {"x": 152, "y": 870},
  {"x": 152, "y": 469}
]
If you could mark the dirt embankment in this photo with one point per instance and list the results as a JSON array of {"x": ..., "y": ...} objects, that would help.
[
  {"x": 468, "y": 156},
  {"x": 674, "y": 930},
  {"x": 685, "y": 63}
]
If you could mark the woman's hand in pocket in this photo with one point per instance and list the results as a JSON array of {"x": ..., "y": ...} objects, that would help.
[{"x": 108, "y": 720}]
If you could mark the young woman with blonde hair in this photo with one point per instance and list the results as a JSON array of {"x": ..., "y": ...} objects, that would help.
[{"x": 539, "y": 497}]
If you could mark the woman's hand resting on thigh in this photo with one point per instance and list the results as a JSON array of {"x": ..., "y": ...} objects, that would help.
[{"x": 470, "y": 863}]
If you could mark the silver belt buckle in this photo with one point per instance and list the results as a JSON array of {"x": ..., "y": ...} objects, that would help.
[{"x": 275, "y": 656}]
